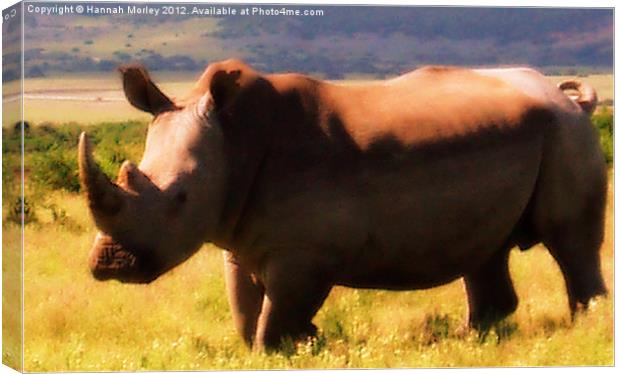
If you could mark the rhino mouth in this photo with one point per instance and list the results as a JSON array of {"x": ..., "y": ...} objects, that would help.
[{"x": 111, "y": 260}]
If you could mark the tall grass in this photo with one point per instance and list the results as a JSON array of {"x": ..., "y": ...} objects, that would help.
[{"x": 182, "y": 321}]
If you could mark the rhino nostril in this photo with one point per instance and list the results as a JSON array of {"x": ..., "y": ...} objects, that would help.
[{"x": 100, "y": 274}]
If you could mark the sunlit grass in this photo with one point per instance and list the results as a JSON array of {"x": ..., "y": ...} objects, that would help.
[
  {"x": 182, "y": 320},
  {"x": 11, "y": 298}
]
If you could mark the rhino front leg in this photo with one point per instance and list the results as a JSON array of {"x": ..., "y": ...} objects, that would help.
[
  {"x": 295, "y": 289},
  {"x": 245, "y": 297}
]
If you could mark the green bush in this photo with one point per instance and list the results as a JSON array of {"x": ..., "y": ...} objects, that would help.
[
  {"x": 51, "y": 153},
  {"x": 604, "y": 123},
  {"x": 56, "y": 169}
]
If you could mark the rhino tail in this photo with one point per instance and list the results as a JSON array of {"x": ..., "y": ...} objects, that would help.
[{"x": 581, "y": 93}]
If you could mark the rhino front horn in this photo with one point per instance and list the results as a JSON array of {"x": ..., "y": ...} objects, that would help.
[{"x": 104, "y": 197}]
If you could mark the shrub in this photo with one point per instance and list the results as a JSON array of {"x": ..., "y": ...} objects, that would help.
[
  {"x": 51, "y": 151},
  {"x": 604, "y": 123},
  {"x": 56, "y": 169},
  {"x": 61, "y": 218}
]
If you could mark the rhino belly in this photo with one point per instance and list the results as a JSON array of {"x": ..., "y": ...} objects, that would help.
[
  {"x": 407, "y": 221},
  {"x": 435, "y": 223}
]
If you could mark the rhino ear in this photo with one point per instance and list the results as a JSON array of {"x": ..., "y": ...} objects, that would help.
[
  {"x": 141, "y": 92},
  {"x": 205, "y": 106},
  {"x": 224, "y": 87}
]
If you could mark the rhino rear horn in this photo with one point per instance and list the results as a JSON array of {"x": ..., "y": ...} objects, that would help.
[
  {"x": 104, "y": 197},
  {"x": 141, "y": 92},
  {"x": 132, "y": 178}
]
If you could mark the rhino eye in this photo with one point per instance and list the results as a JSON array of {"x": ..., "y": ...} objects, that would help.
[{"x": 181, "y": 197}]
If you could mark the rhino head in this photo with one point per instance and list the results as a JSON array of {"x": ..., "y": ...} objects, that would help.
[{"x": 157, "y": 214}]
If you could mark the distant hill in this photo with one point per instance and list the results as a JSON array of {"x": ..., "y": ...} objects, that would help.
[{"x": 345, "y": 41}]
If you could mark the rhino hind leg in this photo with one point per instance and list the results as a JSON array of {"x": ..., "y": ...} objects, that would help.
[
  {"x": 575, "y": 240},
  {"x": 576, "y": 249},
  {"x": 490, "y": 292},
  {"x": 245, "y": 297},
  {"x": 294, "y": 292}
]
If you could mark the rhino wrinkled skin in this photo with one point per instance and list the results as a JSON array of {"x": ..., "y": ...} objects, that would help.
[{"x": 401, "y": 184}]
